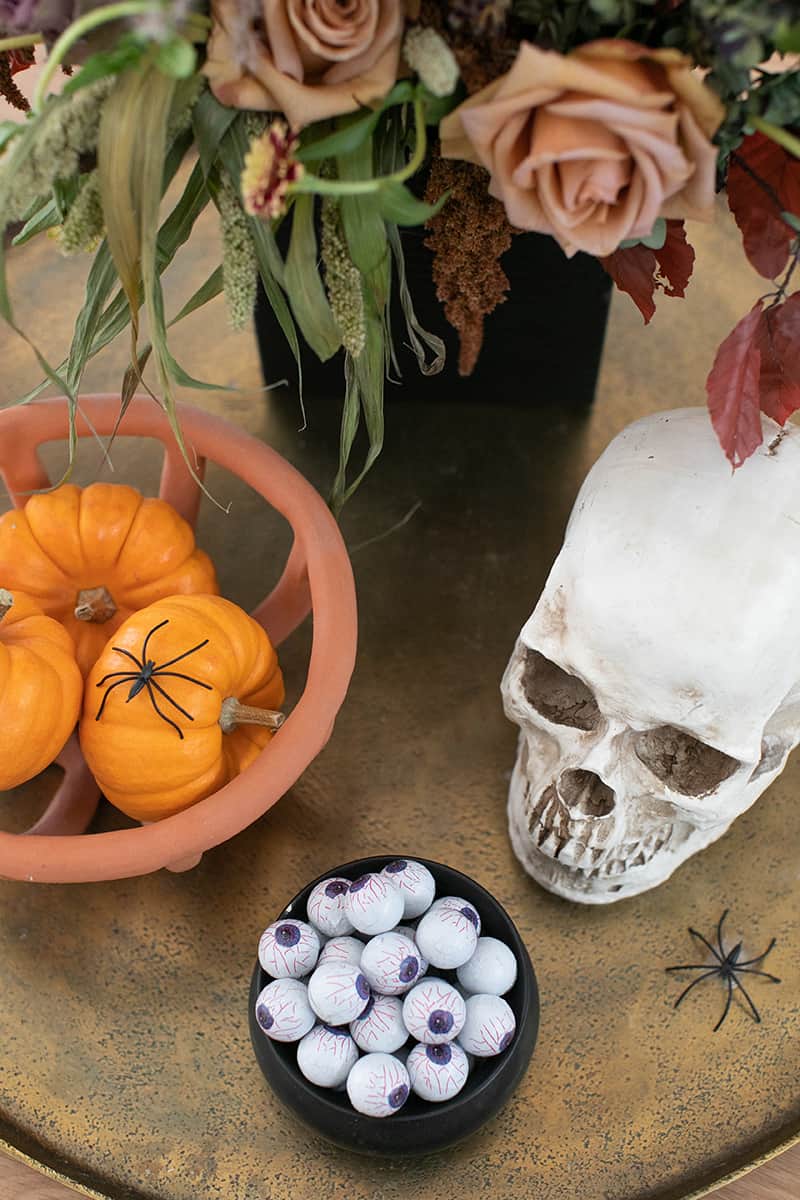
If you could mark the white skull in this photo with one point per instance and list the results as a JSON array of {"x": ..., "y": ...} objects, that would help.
[{"x": 657, "y": 682}]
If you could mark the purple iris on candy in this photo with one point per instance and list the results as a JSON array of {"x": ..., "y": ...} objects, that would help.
[
  {"x": 440, "y": 1021},
  {"x": 264, "y": 1017},
  {"x": 440, "y": 1055},
  {"x": 398, "y": 1096},
  {"x": 287, "y": 935},
  {"x": 409, "y": 969},
  {"x": 336, "y": 887}
]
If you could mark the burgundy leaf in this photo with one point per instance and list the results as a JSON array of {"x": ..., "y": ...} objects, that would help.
[
  {"x": 763, "y": 181},
  {"x": 675, "y": 260},
  {"x": 733, "y": 390},
  {"x": 633, "y": 271},
  {"x": 778, "y": 342}
]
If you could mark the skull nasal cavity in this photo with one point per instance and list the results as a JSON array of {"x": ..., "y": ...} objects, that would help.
[
  {"x": 560, "y": 697},
  {"x": 585, "y": 792}
]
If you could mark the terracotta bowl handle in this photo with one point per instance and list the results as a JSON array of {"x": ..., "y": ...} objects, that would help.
[{"x": 317, "y": 577}]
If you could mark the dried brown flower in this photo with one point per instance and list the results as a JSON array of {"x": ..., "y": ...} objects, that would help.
[
  {"x": 12, "y": 61},
  {"x": 467, "y": 238},
  {"x": 480, "y": 58}
]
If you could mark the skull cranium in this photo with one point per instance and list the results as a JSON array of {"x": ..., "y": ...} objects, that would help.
[{"x": 657, "y": 683}]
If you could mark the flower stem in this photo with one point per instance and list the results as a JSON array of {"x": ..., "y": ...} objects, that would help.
[
  {"x": 78, "y": 29},
  {"x": 364, "y": 187},
  {"x": 776, "y": 134},
  {"x": 21, "y": 41}
]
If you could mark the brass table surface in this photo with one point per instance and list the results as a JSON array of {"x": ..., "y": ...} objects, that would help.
[{"x": 125, "y": 1064}]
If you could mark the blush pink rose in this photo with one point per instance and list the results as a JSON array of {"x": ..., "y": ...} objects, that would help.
[
  {"x": 308, "y": 59},
  {"x": 592, "y": 147}
]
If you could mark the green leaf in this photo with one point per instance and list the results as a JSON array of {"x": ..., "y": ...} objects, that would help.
[
  {"x": 417, "y": 334},
  {"x": 211, "y": 121},
  {"x": 787, "y": 38},
  {"x": 350, "y": 132},
  {"x": 177, "y": 58},
  {"x": 45, "y": 217},
  {"x": 437, "y": 107},
  {"x": 654, "y": 240},
  {"x": 364, "y": 381},
  {"x": 792, "y": 220},
  {"x": 400, "y": 206},
  {"x": 64, "y": 193},
  {"x": 363, "y": 226},
  {"x": 127, "y": 52},
  {"x": 304, "y": 286}
]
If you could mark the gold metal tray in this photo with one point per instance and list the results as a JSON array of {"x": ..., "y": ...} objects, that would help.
[{"x": 125, "y": 1063}]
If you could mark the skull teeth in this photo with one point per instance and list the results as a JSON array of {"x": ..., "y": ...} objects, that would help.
[{"x": 548, "y": 824}]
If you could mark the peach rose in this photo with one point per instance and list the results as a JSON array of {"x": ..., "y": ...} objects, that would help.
[
  {"x": 308, "y": 59},
  {"x": 594, "y": 146}
]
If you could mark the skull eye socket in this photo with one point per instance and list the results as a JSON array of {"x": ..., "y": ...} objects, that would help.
[
  {"x": 559, "y": 697},
  {"x": 683, "y": 763}
]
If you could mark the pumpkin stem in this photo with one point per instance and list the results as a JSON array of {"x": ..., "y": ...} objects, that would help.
[
  {"x": 234, "y": 714},
  {"x": 6, "y": 602},
  {"x": 96, "y": 605}
]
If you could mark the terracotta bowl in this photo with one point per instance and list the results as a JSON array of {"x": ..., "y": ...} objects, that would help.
[{"x": 317, "y": 577}]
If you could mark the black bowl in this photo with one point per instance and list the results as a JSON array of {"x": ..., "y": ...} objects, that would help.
[{"x": 419, "y": 1127}]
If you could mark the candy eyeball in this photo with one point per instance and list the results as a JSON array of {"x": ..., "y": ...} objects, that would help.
[
  {"x": 489, "y": 1026},
  {"x": 283, "y": 1011},
  {"x": 447, "y": 937},
  {"x": 491, "y": 970},
  {"x": 378, "y": 1085},
  {"x": 391, "y": 963},
  {"x": 338, "y": 993},
  {"x": 288, "y": 949},
  {"x": 434, "y": 1012},
  {"x": 326, "y": 907},
  {"x": 415, "y": 884},
  {"x": 326, "y": 1056},
  {"x": 437, "y": 1072},
  {"x": 373, "y": 905},
  {"x": 380, "y": 1027},
  {"x": 342, "y": 950},
  {"x": 464, "y": 907},
  {"x": 411, "y": 933}
]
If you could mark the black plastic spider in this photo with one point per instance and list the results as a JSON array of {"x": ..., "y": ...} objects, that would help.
[
  {"x": 728, "y": 967},
  {"x": 147, "y": 674}
]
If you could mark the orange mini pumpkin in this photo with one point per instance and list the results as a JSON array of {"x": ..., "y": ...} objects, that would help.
[
  {"x": 91, "y": 557},
  {"x": 181, "y": 700},
  {"x": 40, "y": 688}
]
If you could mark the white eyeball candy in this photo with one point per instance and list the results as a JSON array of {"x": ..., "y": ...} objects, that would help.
[
  {"x": 437, "y": 1072},
  {"x": 489, "y": 1027},
  {"x": 283, "y": 1011},
  {"x": 464, "y": 907},
  {"x": 326, "y": 907},
  {"x": 414, "y": 883},
  {"x": 342, "y": 950},
  {"x": 411, "y": 933},
  {"x": 380, "y": 1027},
  {"x": 447, "y": 937},
  {"x": 378, "y": 1085},
  {"x": 373, "y": 905},
  {"x": 326, "y": 1056},
  {"x": 434, "y": 1012},
  {"x": 491, "y": 970},
  {"x": 337, "y": 992},
  {"x": 391, "y": 963},
  {"x": 288, "y": 949}
]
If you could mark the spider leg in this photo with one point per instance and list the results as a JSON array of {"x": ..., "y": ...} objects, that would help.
[
  {"x": 179, "y": 675},
  {"x": 753, "y": 1009},
  {"x": 163, "y": 716},
  {"x": 185, "y": 654},
  {"x": 113, "y": 675},
  {"x": 726, "y": 1009},
  {"x": 111, "y": 687},
  {"x": 694, "y": 983},
  {"x": 132, "y": 657},
  {"x": 707, "y": 944},
  {"x": 719, "y": 933},
  {"x": 749, "y": 962},
  {"x": 155, "y": 629},
  {"x": 690, "y": 967},
  {"x": 764, "y": 974},
  {"x": 174, "y": 703}
]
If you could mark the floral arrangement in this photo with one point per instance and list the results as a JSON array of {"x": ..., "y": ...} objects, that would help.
[{"x": 319, "y": 128}]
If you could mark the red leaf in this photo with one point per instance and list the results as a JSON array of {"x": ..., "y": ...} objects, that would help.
[
  {"x": 732, "y": 387},
  {"x": 675, "y": 260},
  {"x": 757, "y": 206},
  {"x": 633, "y": 271},
  {"x": 778, "y": 341}
]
